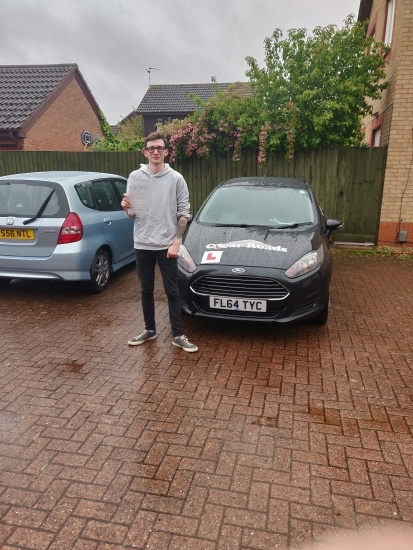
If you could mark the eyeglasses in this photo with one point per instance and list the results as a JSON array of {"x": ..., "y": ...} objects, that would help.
[{"x": 160, "y": 149}]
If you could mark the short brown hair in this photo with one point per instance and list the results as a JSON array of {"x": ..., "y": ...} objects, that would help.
[{"x": 156, "y": 135}]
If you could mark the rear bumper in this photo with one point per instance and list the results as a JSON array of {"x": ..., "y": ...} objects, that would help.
[{"x": 68, "y": 262}]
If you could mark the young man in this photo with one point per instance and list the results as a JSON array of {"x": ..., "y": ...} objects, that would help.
[{"x": 158, "y": 232}]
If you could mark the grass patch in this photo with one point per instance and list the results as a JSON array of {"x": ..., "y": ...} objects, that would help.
[{"x": 398, "y": 252}]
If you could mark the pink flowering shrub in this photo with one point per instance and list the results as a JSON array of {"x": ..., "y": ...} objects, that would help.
[
  {"x": 230, "y": 121},
  {"x": 262, "y": 152},
  {"x": 226, "y": 122}
]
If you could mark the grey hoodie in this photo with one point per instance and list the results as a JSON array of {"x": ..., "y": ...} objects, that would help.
[{"x": 168, "y": 201}]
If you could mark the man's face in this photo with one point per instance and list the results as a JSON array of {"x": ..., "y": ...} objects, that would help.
[{"x": 153, "y": 153}]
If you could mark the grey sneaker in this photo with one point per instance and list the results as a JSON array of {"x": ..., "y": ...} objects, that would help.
[
  {"x": 143, "y": 337},
  {"x": 184, "y": 343}
]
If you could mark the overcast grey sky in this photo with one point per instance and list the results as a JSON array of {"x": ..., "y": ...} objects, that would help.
[{"x": 115, "y": 41}]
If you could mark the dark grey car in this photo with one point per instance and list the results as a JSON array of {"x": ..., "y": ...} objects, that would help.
[{"x": 258, "y": 249}]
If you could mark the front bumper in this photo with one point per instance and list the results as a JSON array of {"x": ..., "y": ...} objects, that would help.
[{"x": 302, "y": 298}]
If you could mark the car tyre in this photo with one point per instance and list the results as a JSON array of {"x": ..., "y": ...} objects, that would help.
[
  {"x": 4, "y": 281},
  {"x": 100, "y": 271}
]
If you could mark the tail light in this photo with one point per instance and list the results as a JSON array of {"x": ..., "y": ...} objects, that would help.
[{"x": 71, "y": 230}]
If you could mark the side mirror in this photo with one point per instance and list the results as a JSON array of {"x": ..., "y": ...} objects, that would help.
[{"x": 332, "y": 225}]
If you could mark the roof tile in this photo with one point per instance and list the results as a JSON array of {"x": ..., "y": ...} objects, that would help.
[
  {"x": 175, "y": 98},
  {"x": 24, "y": 87}
]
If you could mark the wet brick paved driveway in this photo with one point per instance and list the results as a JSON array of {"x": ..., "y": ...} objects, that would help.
[{"x": 266, "y": 438}]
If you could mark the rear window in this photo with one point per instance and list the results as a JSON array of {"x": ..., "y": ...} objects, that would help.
[
  {"x": 261, "y": 206},
  {"x": 25, "y": 199}
]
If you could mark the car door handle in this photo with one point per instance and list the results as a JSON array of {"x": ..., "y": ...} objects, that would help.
[{"x": 107, "y": 220}]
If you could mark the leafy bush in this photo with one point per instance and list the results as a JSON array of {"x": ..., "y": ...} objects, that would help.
[{"x": 128, "y": 138}]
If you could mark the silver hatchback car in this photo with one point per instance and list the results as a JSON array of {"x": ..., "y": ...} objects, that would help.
[{"x": 64, "y": 226}]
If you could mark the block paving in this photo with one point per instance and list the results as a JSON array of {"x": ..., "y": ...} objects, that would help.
[{"x": 268, "y": 437}]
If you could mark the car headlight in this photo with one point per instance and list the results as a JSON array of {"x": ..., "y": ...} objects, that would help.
[
  {"x": 307, "y": 263},
  {"x": 185, "y": 260}
]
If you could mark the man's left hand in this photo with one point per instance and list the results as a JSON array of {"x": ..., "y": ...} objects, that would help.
[{"x": 173, "y": 250}]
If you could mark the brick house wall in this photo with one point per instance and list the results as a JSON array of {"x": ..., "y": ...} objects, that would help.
[
  {"x": 60, "y": 127},
  {"x": 393, "y": 117}
]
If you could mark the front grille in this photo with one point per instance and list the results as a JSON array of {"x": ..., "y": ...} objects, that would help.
[
  {"x": 262, "y": 288},
  {"x": 273, "y": 314}
]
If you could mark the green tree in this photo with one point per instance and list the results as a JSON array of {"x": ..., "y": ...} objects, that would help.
[{"x": 314, "y": 90}]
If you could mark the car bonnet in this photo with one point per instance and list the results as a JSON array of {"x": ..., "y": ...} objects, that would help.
[{"x": 250, "y": 246}]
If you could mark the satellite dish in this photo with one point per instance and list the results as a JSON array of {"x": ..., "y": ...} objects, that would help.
[{"x": 86, "y": 138}]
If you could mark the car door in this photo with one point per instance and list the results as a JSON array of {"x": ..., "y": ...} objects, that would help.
[{"x": 117, "y": 227}]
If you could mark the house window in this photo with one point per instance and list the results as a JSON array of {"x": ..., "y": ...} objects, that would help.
[
  {"x": 158, "y": 123},
  {"x": 377, "y": 137},
  {"x": 389, "y": 22},
  {"x": 373, "y": 36}
]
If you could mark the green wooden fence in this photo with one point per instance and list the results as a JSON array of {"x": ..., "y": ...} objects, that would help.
[{"x": 348, "y": 182}]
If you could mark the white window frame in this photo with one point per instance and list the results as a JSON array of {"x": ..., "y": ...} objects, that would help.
[
  {"x": 377, "y": 136},
  {"x": 389, "y": 21}
]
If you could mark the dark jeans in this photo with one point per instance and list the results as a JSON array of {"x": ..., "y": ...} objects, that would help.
[{"x": 145, "y": 264}]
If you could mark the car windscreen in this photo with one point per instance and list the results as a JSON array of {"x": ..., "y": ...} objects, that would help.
[
  {"x": 258, "y": 206},
  {"x": 24, "y": 199}
]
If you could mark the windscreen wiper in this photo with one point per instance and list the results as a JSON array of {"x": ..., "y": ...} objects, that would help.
[
  {"x": 41, "y": 209},
  {"x": 292, "y": 225},
  {"x": 232, "y": 225},
  {"x": 244, "y": 225}
]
